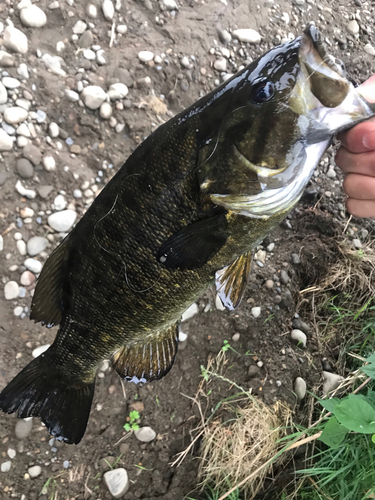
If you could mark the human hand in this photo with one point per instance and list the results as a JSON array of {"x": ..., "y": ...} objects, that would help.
[{"x": 356, "y": 157}]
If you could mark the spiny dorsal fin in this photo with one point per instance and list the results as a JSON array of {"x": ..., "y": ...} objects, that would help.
[
  {"x": 47, "y": 302},
  {"x": 147, "y": 360},
  {"x": 231, "y": 281}
]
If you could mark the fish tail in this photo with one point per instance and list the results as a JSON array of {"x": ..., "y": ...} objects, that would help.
[{"x": 40, "y": 390}]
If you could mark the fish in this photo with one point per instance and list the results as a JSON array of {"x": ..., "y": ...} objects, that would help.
[{"x": 183, "y": 213}]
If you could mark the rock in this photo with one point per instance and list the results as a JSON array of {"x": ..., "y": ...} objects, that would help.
[
  {"x": 105, "y": 110},
  {"x": 190, "y": 312},
  {"x": 122, "y": 29},
  {"x": 247, "y": 35},
  {"x": 357, "y": 243},
  {"x": 236, "y": 337},
  {"x": 15, "y": 115},
  {"x": 71, "y": 95},
  {"x": 92, "y": 11},
  {"x": 295, "y": 258},
  {"x": 49, "y": 163},
  {"x": 106, "y": 463},
  {"x": 182, "y": 336},
  {"x": 6, "y": 142},
  {"x": 353, "y": 27},
  {"x": 117, "y": 91},
  {"x": 117, "y": 482},
  {"x": 3, "y": 94},
  {"x": 53, "y": 129},
  {"x": 40, "y": 350},
  {"x": 89, "y": 55},
  {"x": 1, "y": 243},
  {"x": 15, "y": 40},
  {"x": 284, "y": 278},
  {"x": 298, "y": 324},
  {"x": 220, "y": 64},
  {"x": 62, "y": 221},
  {"x": 32, "y": 153},
  {"x": 17, "y": 311},
  {"x": 145, "y": 55},
  {"x": 34, "y": 471},
  {"x": 45, "y": 191},
  {"x": 11, "y": 453},
  {"x": 79, "y": 27},
  {"x": 21, "y": 247},
  {"x": 11, "y": 290},
  {"x": 369, "y": 49},
  {"x": 255, "y": 311},
  {"x": 24, "y": 168},
  {"x": 60, "y": 202},
  {"x": 331, "y": 381},
  {"x": 86, "y": 40},
  {"x": 124, "y": 76},
  {"x": 54, "y": 64},
  {"x": 100, "y": 59},
  {"x": 29, "y": 193},
  {"x": 23, "y": 428},
  {"x": 93, "y": 96},
  {"x": 36, "y": 245},
  {"x": 169, "y": 5},
  {"x": 23, "y": 130},
  {"x": 253, "y": 370},
  {"x": 33, "y": 17},
  {"x": 33, "y": 265},
  {"x": 6, "y": 60},
  {"x": 10, "y": 83},
  {"x": 300, "y": 388},
  {"x": 298, "y": 337},
  {"x": 269, "y": 284},
  {"x": 108, "y": 9},
  {"x": 5, "y": 466},
  {"x": 27, "y": 278},
  {"x": 145, "y": 434},
  {"x": 224, "y": 36}
]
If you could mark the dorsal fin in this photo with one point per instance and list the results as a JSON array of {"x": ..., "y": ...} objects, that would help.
[
  {"x": 148, "y": 359},
  {"x": 47, "y": 302},
  {"x": 231, "y": 281}
]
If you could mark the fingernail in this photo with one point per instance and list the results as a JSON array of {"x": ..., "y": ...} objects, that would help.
[{"x": 369, "y": 140}]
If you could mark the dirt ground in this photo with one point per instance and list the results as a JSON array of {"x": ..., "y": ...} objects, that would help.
[{"x": 165, "y": 406}]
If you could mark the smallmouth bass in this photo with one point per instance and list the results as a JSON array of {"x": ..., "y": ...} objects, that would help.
[{"x": 183, "y": 212}]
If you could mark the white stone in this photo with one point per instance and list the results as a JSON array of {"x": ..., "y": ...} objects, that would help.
[
  {"x": 54, "y": 5},
  {"x": 1, "y": 243},
  {"x": 169, "y": 5},
  {"x": 29, "y": 193},
  {"x": 23, "y": 4},
  {"x": 6, "y": 142},
  {"x": 93, "y": 96},
  {"x": 15, "y": 40},
  {"x": 300, "y": 388},
  {"x": 22, "y": 141},
  {"x": 34, "y": 471},
  {"x": 15, "y": 115},
  {"x": 108, "y": 9},
  {"x": 49, "y": 163},
  {"x": 218, "y": 303},
  {"x": 182, "y": 336},
  {"x": 11, "y": 453},
  {"x": 190, "y": 312},
  {"x": 331, "y": 381},
  {"x": 117, "y": 482},
  {"x": 40, "y": 350},
  {"x": 54, "y": 64},
  {"x": 145, "y": 55},
  {"x": 247, "y": 35},
  {"x": 353, "y": 27},
  {"x": 11, "y": 290},
  {"x": 23, "y": 428},
  {"x": 105, "y": 110},
  {"x": 77, "y": 193},
  {"x": 17, "y": 311},
  {"x": 21, "y": 247},
  {"x": 27, "y": 278},
  {"x": 3, "y": 94},
  {"x": 26, "y": 212},
  {"x": 62, "y": 221},
  {"x": 60, "y": 202},
  {"x": 260, "y": 256},
  {"x": 255, "y": 311},
  {"x": 79, "y": 27},
  {"x": 117, "y": 91},
  {"x": 60, "y": 46},
  {"x": 369, "y": 49},
  {"x": 92, "y": 11},
  {"x": 122, "y": 29},
  {"x": 357, "y": 243},
  {"x": 53, "y": 129},
  {"x": 5, "y": 466},
  {"x": 23, "y": 103},
  {"x": 71, "y": 95},
  {"x": 10, "y": 83},
  {"x": 100, "y": 59},
  {"x": 220, "y": 64},
  {"x": 33, "y": 265},
  {"x": 22, "y": 71},
  {"x": 33, "y": 17},
  {"x": 23, "y": 130},
  {"x": 145, "y": 434},
  {"x": 299, "y": 337},
  {"x": 36, "y": 245},
  {"x": 89, "y": 55}
]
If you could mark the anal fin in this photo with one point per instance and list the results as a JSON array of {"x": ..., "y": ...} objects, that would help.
[
  {"x": 147, "y": 360},
  {"x": 231, "y": 281}
]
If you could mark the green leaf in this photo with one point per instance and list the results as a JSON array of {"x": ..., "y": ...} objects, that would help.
[
  {"x": 373, "y": 438},
  {"x": 330, "y": 404},
  {"x": 356, "y": 414},
  {"x": 333, "y": 433},
  {"x": 369, "y": 369},
  {"x": 127, "y": 427}
]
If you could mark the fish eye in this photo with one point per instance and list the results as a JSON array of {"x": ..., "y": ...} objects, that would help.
[{"x": 262, "y": 92}]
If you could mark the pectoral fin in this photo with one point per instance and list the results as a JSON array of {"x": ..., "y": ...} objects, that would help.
[
  {"x": 147, "y": 360},
  {"x": 193, "y": 246},
  {"x": 231, "y": 281}
]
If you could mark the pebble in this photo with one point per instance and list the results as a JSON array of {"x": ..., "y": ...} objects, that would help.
[
  {"x": 34, "y": 471},
  {"x": 357, "y": 243},
  {"x": 331, "y": 174},
  {"x": 71, "y": 95},
  {"x": 117, "y": 482},
  {"x": 6, "y": 142},
  {"x": 3, "y": 94},
  {"x": 247, "y": 35},
  {"x": 49, "y": 163},
  {"x": 44, "y": 191},
  {"x": 236, "y": 337},
  {"x": 108, "y": 9},
  {"x": 11, "y": 453},
  {"x": 145, "y": 434},
  {"x": 5, "y": 466},
  {"x": 21, "y": 247},
  {"x": 62, "y": 221},
  {"x": 15, "y": 40},
  {"x": 11, "y": 290},
  {"x": 284, "y": 278},
  {"x": 79, "y": 27},
  {"x": 32, "y": 153},
  {"x": 40, "y": 350},
  {"x": 253, "y": 370},
  {"x": 23, "y": 428},
  {"x": 169, "y": 5},
  {"x": 295, "y": 258},
  {"x": 145, "y": 55},
  {"x": 93, "y": 96},
  {"x": 331, "y": 381},
  {"x": 353, "y": 27},
  {"x": 89, "y": 55},
  {"x": 86, "y": 40},
  {"x": 270, "y": 247},
  {"x": 33, "y": 17},
  {"x": 15, "y": 115},
  {"x": 218, "y": 303},
  {"x": 220, "y": 64},
  {"x": 36, "y": 245},
  {"x": 6, "y": 60},
  {"x": 92, "y": 11},
  {"x": 53, "y": 129},
  {"x": 26, "y": 212},
  {"x": 299, "y": 337},
  {"x": 255, "y": 311},
  {"x": 224, "y": 36},
  {"x": 190, "y": 312},
  {"x": 1, "y": 243},
  {"x": 182, "y": 336},
  {"x": 369, "y": 49},
  {"x": 33, "y": 265},
  {"x": 106, "y": 110},
  {"x": 54, "y": 64},
  {"x": 24, "y": 168},
  {"x": 300, "y": 388},
  {"x": 27, "y": 278},
  {"x": 122, "y": 29},
  {"x": 59, "y": 202},
  {"x": 117, "y": 91},
  {"x": 10, "y": 82}
]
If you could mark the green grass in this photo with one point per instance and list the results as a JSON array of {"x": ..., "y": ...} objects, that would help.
[{"x": 213, "y": 494}]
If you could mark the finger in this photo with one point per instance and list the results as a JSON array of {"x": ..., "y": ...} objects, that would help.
[
  {"x": 359, "y": 187},
  {"x": 361, "y": 163},
  {"x": 361, "y": 208}
]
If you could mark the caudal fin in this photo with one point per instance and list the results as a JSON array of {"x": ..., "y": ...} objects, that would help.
[{"x": 39, "y": 390}]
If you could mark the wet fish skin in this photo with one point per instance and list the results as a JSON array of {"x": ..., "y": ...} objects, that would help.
[{"x": 155, "y": 237}]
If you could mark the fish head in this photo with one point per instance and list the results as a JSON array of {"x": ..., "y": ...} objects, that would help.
[{"x": 289, "y": 104}]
